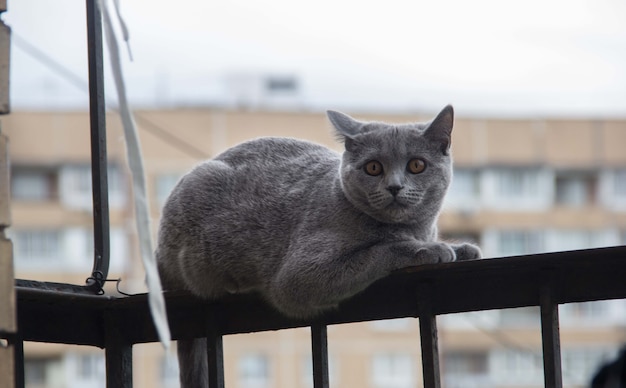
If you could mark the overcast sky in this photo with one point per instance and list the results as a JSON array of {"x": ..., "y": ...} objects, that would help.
[{"x": 533, "y": 57}]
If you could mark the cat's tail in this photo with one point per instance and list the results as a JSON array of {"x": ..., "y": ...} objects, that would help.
[{"x": 193, "y": 363}]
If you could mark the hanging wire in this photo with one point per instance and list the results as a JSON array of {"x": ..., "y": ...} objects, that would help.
[
  {"x": 98, "y": 277},
  {"x": 78, "y": 82}
]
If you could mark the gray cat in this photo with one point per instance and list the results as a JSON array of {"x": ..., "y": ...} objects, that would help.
[{"x": 305, "y": 226}]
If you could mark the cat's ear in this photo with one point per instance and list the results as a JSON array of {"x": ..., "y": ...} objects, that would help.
[
  {"x": 344, "y": 124},
  {"x": 440, "y": 129},
  {"x": 346, "y": 127}
]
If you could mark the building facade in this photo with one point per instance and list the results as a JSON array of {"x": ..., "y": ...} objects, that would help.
[{"x": 520, "y": 186}]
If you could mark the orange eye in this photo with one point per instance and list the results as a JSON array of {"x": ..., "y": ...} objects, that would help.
[
  {"x": 416, "y": 166},
  {"x": 374, "y": 168}
]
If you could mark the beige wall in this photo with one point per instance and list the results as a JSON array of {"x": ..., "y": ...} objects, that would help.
[{"x": 64, "y": 136}]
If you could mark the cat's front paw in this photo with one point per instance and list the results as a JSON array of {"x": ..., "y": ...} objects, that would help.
[
  {"x": 437, "y": 253},
  {"x": 467, "y": 252}
]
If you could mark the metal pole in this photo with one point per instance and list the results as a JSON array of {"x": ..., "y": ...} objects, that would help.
[
  {"x": 98, "y": 148},
  {"x": 319, "y": 347},
  {"x": 215, "y": 351},
  {"x": 428, "y": 338},
  {"x": 550, "y": 339},
  {"x": 118, "y": 354}
]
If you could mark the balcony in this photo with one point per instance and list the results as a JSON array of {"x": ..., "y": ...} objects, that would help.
[{"x": 545, "y": 280}]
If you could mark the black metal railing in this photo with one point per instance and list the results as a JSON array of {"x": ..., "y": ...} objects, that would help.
[
  {"x": 99, "y": 163},
  {"x": 423, "y": 292},
  {"x": 60, "y": 313}
]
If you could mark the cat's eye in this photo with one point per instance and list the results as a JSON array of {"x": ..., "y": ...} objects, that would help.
[
  {"x": 374, "y": 168},
  {"x": 416, "y": 166}
]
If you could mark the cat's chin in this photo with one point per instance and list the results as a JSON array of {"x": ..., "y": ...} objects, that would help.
[
  {"x": 392, "y": 212},
  {"x": 395, "y": 214}
]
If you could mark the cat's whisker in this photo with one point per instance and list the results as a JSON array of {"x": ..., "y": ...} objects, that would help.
[{"x": 379, "y": 200}]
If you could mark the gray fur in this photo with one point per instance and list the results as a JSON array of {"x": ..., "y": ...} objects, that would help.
[{"x": 303, "y": 225}]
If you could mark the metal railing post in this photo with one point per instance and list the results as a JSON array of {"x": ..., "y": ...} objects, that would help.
[
  {"x": 319, "y": 347},
  {"x": 550, "y": 338},
  {"x": 118, "y": 354},
  {"x": 215, "y": 352},
  {"x": 428, "y": 338},
  {"x": 98, "y": 147}
]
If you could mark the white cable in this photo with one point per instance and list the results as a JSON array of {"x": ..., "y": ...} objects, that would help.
[
  {"x": 133, "y": 151},
  {"x": 123, "y": 27}
]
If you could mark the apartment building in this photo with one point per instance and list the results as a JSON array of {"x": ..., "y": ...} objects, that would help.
[{"x": 520, "y": 186}]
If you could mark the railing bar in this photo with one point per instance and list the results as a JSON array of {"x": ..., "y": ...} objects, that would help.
[
  {"x": 119, "y": 366},
  {"x": 428, "y": 339},
  {"x": 550, "y": 339},
  {"x": 18, "y": 360},
  {"x": 215, "y": 353},
  {"x": 98, "y": 147},
  {"x": 430, "y": 351},
  {"x": 319, "y": 347},
  {"x": 118, "y": 356}
]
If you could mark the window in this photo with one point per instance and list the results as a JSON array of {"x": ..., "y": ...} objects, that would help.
[
  {"x": 36, "y": 246},
  {"x": 574, "y": 189},
  {"x": 35, "y": 372},
  {"x": 579, "y": 365},
  {"x": 91, "y": 367},
  {"x": 77, "y": 179},
  {"x": 75, "y": 182},
  {"x": 514, "y": 183},
  {"x": 465, "y": 362},
  {"x": 393, "y": 370},
  {"x": 65, "y": 250},
  {"x": 516, "y": 367},
  {"x": 522, "y": 361},
  {"x": 32, "y": 184},
  {"x": 619, "y": 183},
  {"x": 571, "y": 239},
  {"x": 85, "y": 370},
  {"x": 464, "y": 192},
  {"x": 613, "y": 189},
  {"x": 518, "y": 242},
  {"x": 517, "y": 189},
  {"x": 466, "y": 369},
  {"x": 254, "y": 371},
  {"x": 81, "y": 249},
  {"x": 276, "y": 84},
  {"x": 120, "y": 257}
]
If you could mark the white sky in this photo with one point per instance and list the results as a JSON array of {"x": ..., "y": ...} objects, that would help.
[{"x": 536, "y": 57}]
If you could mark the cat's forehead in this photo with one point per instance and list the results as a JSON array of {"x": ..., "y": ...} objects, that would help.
[
  {"x": 400, "y": 138},
  {"x": 409, "y": 128}
]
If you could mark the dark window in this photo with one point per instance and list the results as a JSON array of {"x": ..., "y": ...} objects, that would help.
[{"x": 33, "y": 184}]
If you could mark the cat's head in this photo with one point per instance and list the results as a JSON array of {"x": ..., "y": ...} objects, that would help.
[{"x": 396, "y": 173}]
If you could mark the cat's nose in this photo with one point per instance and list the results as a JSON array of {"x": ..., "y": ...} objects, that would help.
[{"x": 394, "y": 189}]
